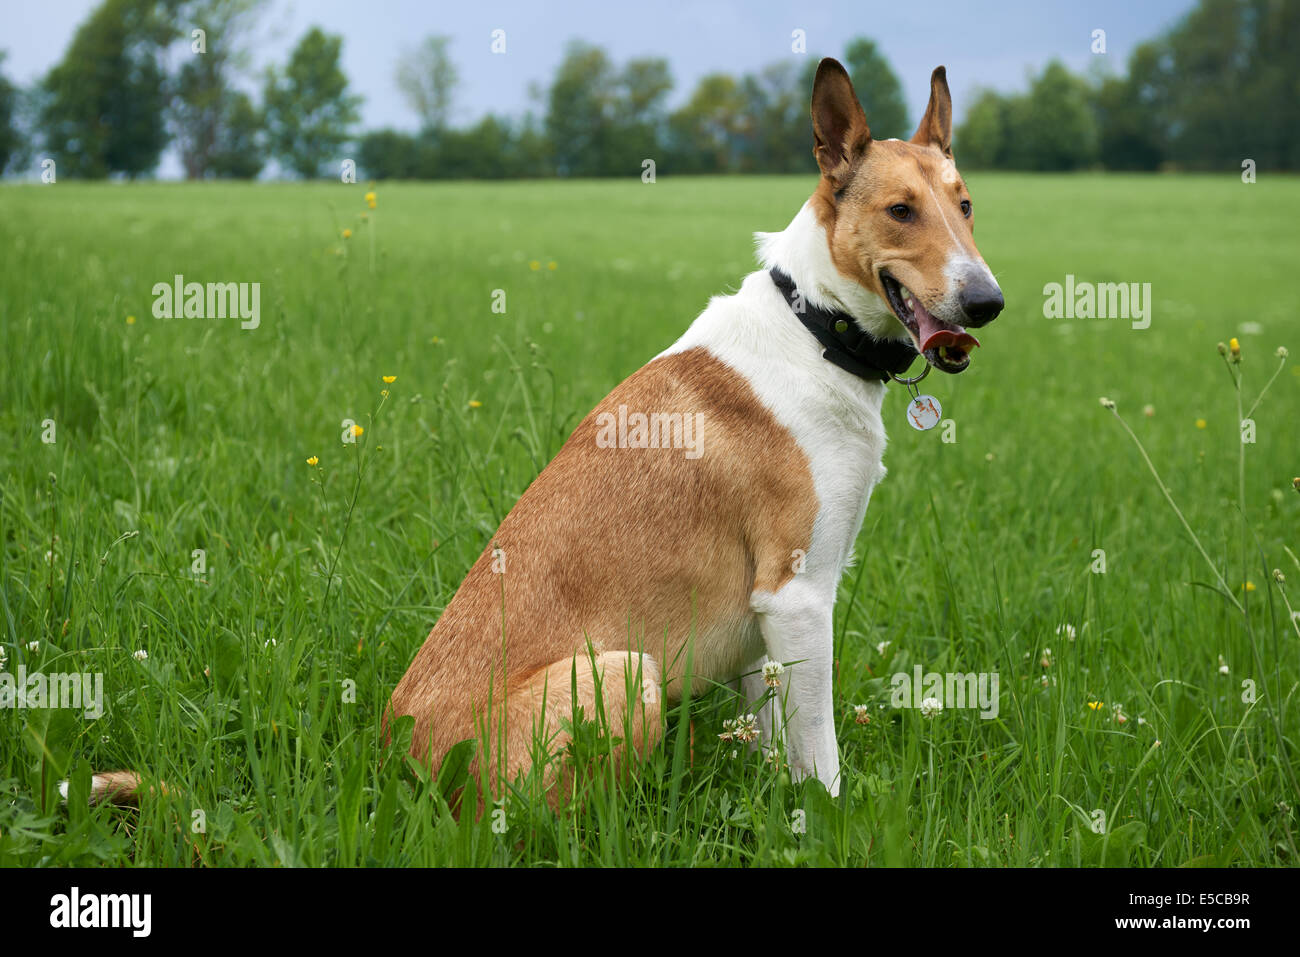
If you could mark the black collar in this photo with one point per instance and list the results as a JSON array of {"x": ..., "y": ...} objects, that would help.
[{"x": 844, "y": 344}]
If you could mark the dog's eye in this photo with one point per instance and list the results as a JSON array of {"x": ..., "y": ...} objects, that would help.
[
  {"x": 965, "y": 208},
  {"x": 900, "y": 212}
]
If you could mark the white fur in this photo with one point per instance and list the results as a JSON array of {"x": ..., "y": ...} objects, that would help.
[{"x": 835, "y": 418}]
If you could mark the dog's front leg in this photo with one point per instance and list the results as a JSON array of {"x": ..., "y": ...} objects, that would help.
[{"x": 796, "y": 627}]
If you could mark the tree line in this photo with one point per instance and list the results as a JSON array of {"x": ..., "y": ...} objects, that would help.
[
  {"x": 1218, "y": 88},
  {"x": 139, "y": 75}
]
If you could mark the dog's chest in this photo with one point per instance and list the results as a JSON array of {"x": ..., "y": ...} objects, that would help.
[
  {"x": 834, "y": 417},
  {"x": 846, "y": 460}
]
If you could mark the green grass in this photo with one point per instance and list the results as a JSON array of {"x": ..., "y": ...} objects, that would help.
[{"x": 194, "y": 434}]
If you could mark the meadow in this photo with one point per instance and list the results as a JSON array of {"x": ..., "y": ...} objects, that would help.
[{"x": 250, "y": 613}]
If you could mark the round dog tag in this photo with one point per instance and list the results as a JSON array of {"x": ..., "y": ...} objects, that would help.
[{"x": 924, "y": 412}]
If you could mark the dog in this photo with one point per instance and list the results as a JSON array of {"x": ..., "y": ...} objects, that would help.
[
  {"x": 625, "y": 559},
  {"x": 699, "y": 519}
]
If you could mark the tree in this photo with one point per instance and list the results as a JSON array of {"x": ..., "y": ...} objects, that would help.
[
  {"x": 1053, "y": 127},
  {"x": 392, "y": 154},
  {"x": 203, "y": 106},
  {"x": 237, "y": 152},
  {"x": 777, "y": 135},
  {"x": 1133, "y": 112},
  {"x": 102, "y": 109},
  {"x": 878, "y": 89},
  {"x": 708, "y": 131},
  {"x": 1232, "y": 89},
  {"x": 580, "y": 111},
  {"x": 981, "y": 141},
  {"x": 427, "y": 78},
  {"x": 9, "y": 139},
  {"x": 309, "y": 113},
  {"x": 639, "y": 113},
  {"x": 601, "y": 121}
]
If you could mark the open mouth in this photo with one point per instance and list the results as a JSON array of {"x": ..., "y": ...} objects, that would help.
[{"x": 945, "y": 345}]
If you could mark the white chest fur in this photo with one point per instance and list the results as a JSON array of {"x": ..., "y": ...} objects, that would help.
[{"x": 833, "y": 415}]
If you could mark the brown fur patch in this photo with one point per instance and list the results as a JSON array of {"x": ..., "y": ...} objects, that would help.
[{"x": 636, "y": 549}]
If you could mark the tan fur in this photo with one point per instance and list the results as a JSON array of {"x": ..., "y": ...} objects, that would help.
[
  {"x": 636, "y": 550},
  {"x": 118, "y": 787}
]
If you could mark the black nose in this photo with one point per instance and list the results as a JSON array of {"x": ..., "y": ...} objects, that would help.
[{"x": 981, "y": 301}]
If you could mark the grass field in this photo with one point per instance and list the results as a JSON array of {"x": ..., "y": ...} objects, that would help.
[{"x": 171, "y": 436}]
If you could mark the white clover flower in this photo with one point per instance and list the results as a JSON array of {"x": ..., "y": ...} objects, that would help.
[
  {"x": 1068, "y": 630},
  {"x": 880, "y": 648},
  {"x": 140, "y": 655},
  {"x": 1223, "y": 666},
  {"x": 1046, "y": 660},
  {"x": 930, "y": 707},
  {"x": 728, "y": 729},
  {"x": 1119, "y": 715},
  {"x": 860, "y": 714},
  {"x": 746, "y": 728},
  {"x": 1281, "y": 352},
  {"x": 4, "y": 657},
  {"x": 269, "y": 643},
  {"x": 772, "y": 672},
  {"x": 34, "y": 647}
]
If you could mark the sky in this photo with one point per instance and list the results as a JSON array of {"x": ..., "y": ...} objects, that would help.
[{"x": 982, "y": 42}]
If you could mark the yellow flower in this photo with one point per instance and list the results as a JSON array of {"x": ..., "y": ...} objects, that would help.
[
  {"x": 552, "y": 265},
  {"x": 475, "y": 404},
  {"x": 130, "y": 320},
  {"x": 1235, "y": 348},
  {"x": 370, "y": 203},
  {"x": 370, "y": 196},
  {"x": 347, "y": 234},
  {"x": 357, "y": 430},
  {"x": 1096, "y": 705},
  {"x": 384, "y": 393},
  {"x": 534, "y": 265},
  {"x": 313, "y": 460},
  {"x": 1249, "y": 586},
  {"x": 1200, "y": 423},
  {"x": 390, "y": 379},
  {"x": 435, "y": 341}
]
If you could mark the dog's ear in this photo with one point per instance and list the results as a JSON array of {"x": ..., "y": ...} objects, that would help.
[
  {"x": 936, "y": 126},
  {"x": 840, "y": 131}
]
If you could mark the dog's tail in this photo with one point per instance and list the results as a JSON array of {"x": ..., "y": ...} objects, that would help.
[{"x": 122, "y": 788}]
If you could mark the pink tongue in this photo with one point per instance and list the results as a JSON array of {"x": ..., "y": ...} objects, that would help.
[{"x": 935, "y": 333}]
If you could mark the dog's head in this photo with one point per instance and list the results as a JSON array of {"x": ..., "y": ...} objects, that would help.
[{"x": 900, "y": 222}]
